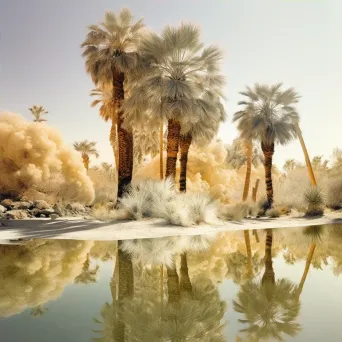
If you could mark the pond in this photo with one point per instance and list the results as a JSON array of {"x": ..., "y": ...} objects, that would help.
[{"x": 260, "y": 285}]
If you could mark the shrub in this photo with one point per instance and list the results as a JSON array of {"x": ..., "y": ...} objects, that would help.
[
  {"x": 273, "y": 213},
  {"x": 314, "y": 199},
  {"x": 239, "y": 211}
]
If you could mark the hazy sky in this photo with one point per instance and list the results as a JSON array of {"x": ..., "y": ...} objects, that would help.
[{"x": 297, "y": 42}]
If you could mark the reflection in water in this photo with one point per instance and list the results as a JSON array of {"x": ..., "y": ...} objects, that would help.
[{"x": 169, "y": 289}]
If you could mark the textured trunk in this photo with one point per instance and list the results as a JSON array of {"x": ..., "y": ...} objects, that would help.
[
  {"x": 185, "y": 283},
  {"x": 85, "y": 159},
  {"x": 255, "y": 190},
  {"x": 249, "y": 148},
  {"x": 249, "y": 253},
  {"x": 268, "y": 276},
  {"x": 161, "y": 150},
  {"x": 113, "y": 141},
  {"x": 306, "y": 155},
  {"x": 184, "y": 143},
  {"x": 161, "y": 287},
  {"x": 268, "y": 150},
  {"x": 125, "y": 138},
  {"x": 126, "y": 286},
  {"x": 172, "y": 148},
  {"x": 306, "y": 270},
  {"x": 173, "y": 284}
]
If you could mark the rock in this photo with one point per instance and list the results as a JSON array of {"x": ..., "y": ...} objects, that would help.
[
  {"x": 42, "y": 216},
  {"x": 41, "y": 204},
  {"x": 7, "y": 203},
  {"x": 54, "y": 217},
  {"x": 46, "y": 212},
  {"x": 2, "y": 209},
  {"x": 16, "y": 215},
  {"x": 58, "y": 210},
  {"x": 77, "y": 207},
  {"x": 34, "y": 212},
  {"x": 22, "y": 205}
]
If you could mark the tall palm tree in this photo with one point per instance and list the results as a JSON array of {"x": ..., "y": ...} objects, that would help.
[
  {"x": 179, "y": 72},
  {"x": 270, "y": 307},
  {"x": 110, "y": 52},
  {"x": 87, "y": 149},
  {"x": 268, "y": 117},
  {"x": 108, "y": 113},
  {"x": 243, "y": 152},
  {"x": 88, "y": 275},
  {"x": 38, "y": 112}
]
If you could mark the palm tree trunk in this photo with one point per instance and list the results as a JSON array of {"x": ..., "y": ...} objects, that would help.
[
  {"x": 173, "y": 135},
  {"x": 268, "y": 276},
  {"x": 126, "y": 287},
  {"x": 161, "y": 150},
  {"x": 306, "y": 270},
  {"x": 249, "y": 148},
  {"x": 268, "y": 150},
  {"x": 173, "y": 284},
  {"x": 125, "y": 138},
  {"x": 255, "y": 233},
  {"x": 85, "y": 159},
  {"x": 185, "y": 142},
  {"x": 255, "y": 190},
  {"x": 161, "y": 287},
  {"x": 113, "y": 142},
  {"x": 185, "y": 283},
  {"x": 249, "y": 253},
  {"x": 306, "y": 155}
]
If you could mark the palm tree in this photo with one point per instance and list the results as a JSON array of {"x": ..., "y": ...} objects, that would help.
[
  {"x": 37, "y": 112},
  {"x": 270, "y": 307},
  {"x": 243, "y": 152},
  {"x": 179, "y": 73},
  {"x": 289, "y": 165},
  {"x": 319, "y": 164},
  {"x": 87, "y": 276},
  {"x": 38, "y": 311},
  {"x": 87, "y": 149},
  {"x": 110, "y": 52},
  {"x": 268, "y": 117},
  {"x": 108, "y": 113}
]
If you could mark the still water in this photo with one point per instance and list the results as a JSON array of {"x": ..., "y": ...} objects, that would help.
[{"x": 267, "y": 285}]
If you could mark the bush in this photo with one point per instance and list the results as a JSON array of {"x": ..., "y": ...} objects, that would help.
[
  {"x": 273, "y": 213},
  {"x": 314, "y": 199},
  {"x": 239, "y": 211},
  {"x": 334, "y": 193}
]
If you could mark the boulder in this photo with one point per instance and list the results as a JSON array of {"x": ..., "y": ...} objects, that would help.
[
  {"x": 2, "y": 209},
  {"x": 16, "y": 215},
  {"x": 46, "y": 212},
  {"x": 54, "y": 217},
  {"x": 22, "y": 205},
  {"x": 58, "y": 210},
  {"x": 42, "y": 216},
  {"x": 41, "y": 204},
  {"x": 7, "y": 203}
]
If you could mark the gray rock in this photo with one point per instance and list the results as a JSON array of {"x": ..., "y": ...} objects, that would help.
[
  {"x": 46, "y": 212},
  {"x": 22, "y": 205},
  {"x": 42, "y": 216},
  {"x": 16, "y": 214},
  {"x": 2, "y": 209},
  {"x": 7, "y": 203},
  {"x": 41, "y": 204}
]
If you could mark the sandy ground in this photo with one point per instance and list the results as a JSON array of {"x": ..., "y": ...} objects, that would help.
[{"x": 80, "y": 229}]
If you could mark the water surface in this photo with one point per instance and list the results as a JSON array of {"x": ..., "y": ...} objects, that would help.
[{"x": 243, "y": 286}]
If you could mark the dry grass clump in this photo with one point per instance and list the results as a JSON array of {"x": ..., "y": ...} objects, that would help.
[
  {"x": 273, "y": 213},
  {"x": 159, "y": 199},
  {"x": 314, "y": 199},
  {"x": 239, "y": 211},
  {"x": 334, "y": 193}
]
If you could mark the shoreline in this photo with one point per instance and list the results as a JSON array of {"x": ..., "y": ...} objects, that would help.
[{"x": 78, "y": 228}]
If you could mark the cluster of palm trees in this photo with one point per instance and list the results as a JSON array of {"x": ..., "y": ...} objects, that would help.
[{"x": 147, "y": 80}]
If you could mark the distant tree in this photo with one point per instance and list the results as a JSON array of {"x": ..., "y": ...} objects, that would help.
[
  {"x": 38, "y": 112},
  {"x": 87, "y": 149}
]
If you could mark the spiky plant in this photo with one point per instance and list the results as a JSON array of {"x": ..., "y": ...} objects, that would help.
[
  {"x": 87, "y": 149},
  {"x": 314, "y": 199},
  {"x": 38, "y": 111},
  {"x": 110, "y": 50},
  {"x": 269, "y": 117},
  {"x": 179, "y": 72}
]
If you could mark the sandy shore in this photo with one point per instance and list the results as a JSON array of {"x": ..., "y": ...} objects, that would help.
[{"x": 81, "y": 229}]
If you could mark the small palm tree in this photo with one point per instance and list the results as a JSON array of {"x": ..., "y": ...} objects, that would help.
[
  {"x": 37, "y": 112},
  {"x": 38, "y": 311},
  {"x": 87, "y": 149},
  {"x": 88, "y": 275},
  {"x": 111, "y": 54},
  {"x": 268, "y": 117},
  {"x": 107, "y": 113},
  {"x": 319, "y": 164},
  {"x": 289, "y": 165},
  {"x": 243, "y": 152}
]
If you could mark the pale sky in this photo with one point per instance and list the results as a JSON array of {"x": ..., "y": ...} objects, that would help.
[{"x": 297, "y": 42}]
